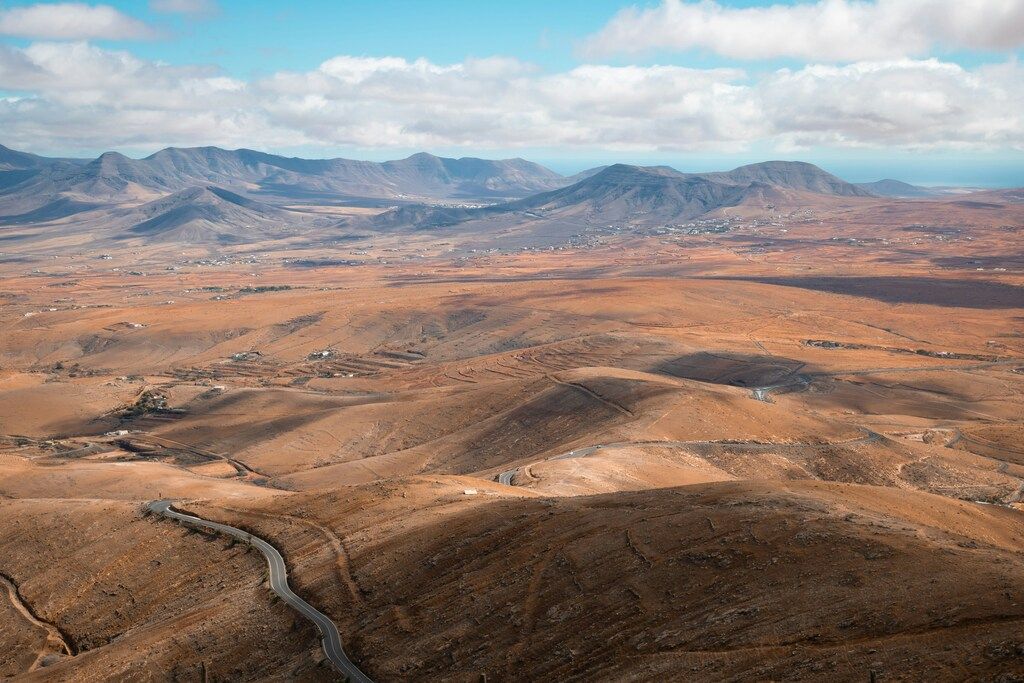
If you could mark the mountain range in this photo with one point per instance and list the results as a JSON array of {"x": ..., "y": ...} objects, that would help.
[
  {"x": 651, "y": 195},
  {"x": 208, "y": 194},
  {"x": 113, "y": 177}
]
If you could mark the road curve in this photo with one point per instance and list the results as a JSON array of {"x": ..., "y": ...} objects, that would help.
[{"x": 331, "y": 639}]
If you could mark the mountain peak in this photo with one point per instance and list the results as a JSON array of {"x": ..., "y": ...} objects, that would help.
[
  {"x": 626, "y": 172},
  {"x": 205, "y": 194},
  {"x": 897, "y": 188},
  {"x": 204, "y": 213},
  {"x": 112, "y": 163},
  {"x": 792, "y": 175},
  {"x": 12, "y": 159},
  {"x": 112, "y": 156}
]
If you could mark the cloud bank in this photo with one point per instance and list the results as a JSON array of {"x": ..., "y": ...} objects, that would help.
[
  {"x": 72, "y": 21},
  {"x": 71, "y": 96},
  {"x": 826, "y": 30}
]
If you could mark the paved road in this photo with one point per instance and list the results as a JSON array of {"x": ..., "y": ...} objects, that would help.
[
  {"x": 869, "y": 437},
  {"x": 279, "y": 584}
]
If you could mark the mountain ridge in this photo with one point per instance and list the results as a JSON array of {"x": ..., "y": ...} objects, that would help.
[
  {"x": 208, "y": 214},
  {"x": 889, "y": 187},
  {"x": 648, "y": 195},
  {"x": 251, "y": 171},
  {"x": 189, "y": 191}
]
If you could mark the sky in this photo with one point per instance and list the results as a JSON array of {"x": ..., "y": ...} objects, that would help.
[{"x": 928, "y": 91}]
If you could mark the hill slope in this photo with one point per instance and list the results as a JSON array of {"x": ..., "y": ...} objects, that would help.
[
  {"x": 13, "y": 160},
  {"x": 621, "y": 191},
  {"x": 724, "y": 581},
  {"x": 791, "y": 175},
  {"x": 898, "y": 188},
  {"x": 18, "y": 167},
  {"x": 647, "y": 196},
  {"x": 113, "y": 177},
  {"x": 206, "y": 214}
]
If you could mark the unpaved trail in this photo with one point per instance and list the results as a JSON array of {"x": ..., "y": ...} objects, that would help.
[
  {"x": 56, "y": 641},
  {"x": 869, "y": 437}
]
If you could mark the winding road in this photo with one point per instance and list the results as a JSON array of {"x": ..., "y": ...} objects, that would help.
[{"x": 331, "y": 639}]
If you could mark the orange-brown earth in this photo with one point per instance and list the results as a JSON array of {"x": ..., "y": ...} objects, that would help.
[{"x": 811, "y": 456}]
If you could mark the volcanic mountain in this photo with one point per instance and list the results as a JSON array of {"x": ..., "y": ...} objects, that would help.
[
  {"x": 18, "y": 167},
  {"x": 115, "y": 178},
  {"x": 420, "y": 175},
  {"x": 208, "y": 214},
  {"x": 652, "y": 195},
  {"x": 13, "y": 160},
  {"x": 898, "y": 188},
  {"x": 57, "y": 188},
  {"x": 791, "y": 175},
  {"x": 622, "y": 191}
]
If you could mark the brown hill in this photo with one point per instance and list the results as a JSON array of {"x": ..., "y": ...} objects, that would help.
[{"x": 718, "y": 581}]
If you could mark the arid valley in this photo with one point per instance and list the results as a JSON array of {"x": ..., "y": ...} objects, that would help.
[{"x": 643, "y": 425}]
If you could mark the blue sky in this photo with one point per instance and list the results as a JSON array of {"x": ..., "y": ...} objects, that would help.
[
  {"x": 250, "y": 39},
  {"x": 858, "y": 87},
  {"x": 254, "y": 38}
]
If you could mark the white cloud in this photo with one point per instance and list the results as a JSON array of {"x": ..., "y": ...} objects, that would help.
[
  {"x": 193, "y": 7},
  {"x": 80, "y": 74},
  {"x": 77, "y": 95},
  {"x": 905, "y": 103},
  {"x": 72, "y": 21},
  {"x": 504, "y": 102},
  {"x": 825, "y": 30}
]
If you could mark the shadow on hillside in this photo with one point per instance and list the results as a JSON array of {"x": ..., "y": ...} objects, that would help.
[{"x": 961, "y": 293}]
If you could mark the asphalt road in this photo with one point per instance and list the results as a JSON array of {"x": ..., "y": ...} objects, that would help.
[{"x": 279, "y": 584}]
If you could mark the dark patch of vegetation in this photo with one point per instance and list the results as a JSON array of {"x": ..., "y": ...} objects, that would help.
[
  {"x": 322, "y": 263},
  {"x": 262, "y": 289},
  {"x": 149, "y": 401},
  {"x": 934, "y": 291},
  {"x": 949, "y": 355},
  {"x": 300, "y": 322}
]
